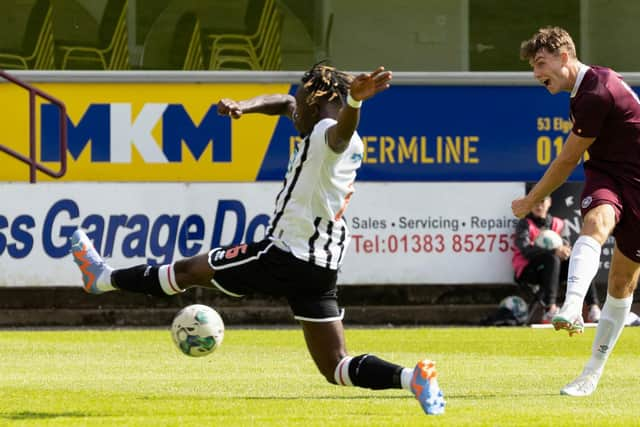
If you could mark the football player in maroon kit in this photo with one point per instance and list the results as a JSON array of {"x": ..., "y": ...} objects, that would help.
[{"x": 606, "y": 124}]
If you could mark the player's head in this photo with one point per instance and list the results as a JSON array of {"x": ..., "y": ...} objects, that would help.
[
  {"x": 322, "y": 92},
  {"x": 551, "y": 52}
]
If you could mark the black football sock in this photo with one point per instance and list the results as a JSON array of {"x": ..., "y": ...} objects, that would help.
[
  {"x": 141, "y": 279},
  {"x": 369, "y": 371}
]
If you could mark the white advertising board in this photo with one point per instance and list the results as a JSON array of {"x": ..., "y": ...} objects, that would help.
[
  {"x": 431, "y": 233},
  {"x": 403, "y": 233}
]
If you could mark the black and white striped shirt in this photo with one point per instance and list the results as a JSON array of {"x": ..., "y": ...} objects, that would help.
[{"x": 308, "y": 217}]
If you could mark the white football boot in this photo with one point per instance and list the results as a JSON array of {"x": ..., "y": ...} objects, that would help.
[{"x": 584, "y": 385}]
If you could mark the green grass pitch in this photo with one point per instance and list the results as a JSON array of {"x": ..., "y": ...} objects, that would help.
[{"x": 264, "y": 377}]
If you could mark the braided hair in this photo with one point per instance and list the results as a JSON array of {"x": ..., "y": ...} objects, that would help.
[{"x": 324, "y": 81}]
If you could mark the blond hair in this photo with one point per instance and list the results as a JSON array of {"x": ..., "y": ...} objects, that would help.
[{"x": 552, "y": 39}]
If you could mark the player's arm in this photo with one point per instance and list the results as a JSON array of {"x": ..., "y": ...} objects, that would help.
[
  {"x": 362, "y": 87},
  {"x": 556, "y": 174},
  {"x": 273, "y": 105}
]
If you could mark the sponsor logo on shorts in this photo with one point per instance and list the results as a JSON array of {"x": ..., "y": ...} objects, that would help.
[
  {"x": 218, "y": 254},
  {"x": 235, "y": 251},
  {"x": 586, "y": 202}
]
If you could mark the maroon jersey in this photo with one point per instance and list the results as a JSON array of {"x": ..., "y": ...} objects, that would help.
[{"x": 606, "y": 108}]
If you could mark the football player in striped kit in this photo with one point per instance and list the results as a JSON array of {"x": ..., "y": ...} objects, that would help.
[{"x": 306, "y": 240}]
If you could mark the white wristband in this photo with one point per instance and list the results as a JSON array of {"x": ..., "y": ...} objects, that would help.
[{"x": 352, "y": 102}]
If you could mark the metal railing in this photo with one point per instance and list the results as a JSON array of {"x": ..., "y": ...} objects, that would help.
[{"x": 32, "y": 160}]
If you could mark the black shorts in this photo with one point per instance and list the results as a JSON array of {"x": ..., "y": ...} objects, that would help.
[{"x": 263, "y": 268}]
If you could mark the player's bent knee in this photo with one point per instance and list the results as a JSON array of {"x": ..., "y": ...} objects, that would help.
[
  {"x": 599, "y": 222},
  {"x": 621, "y": 285},
  {"x": 194, "y": 271}
]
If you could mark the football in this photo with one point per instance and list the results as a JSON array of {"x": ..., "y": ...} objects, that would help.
[
  {"x": 548, "y": 239},
  {"x": 517, "y": 306},
  {"x": 197, "y": 330}
]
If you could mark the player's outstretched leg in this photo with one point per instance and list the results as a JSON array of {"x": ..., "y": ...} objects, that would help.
[
  {"x": 424, "y": 385},
  {"x": 326, "y": 344},
  {"x": 95, "y": 272},
  {"x": 584, "y": 385}
]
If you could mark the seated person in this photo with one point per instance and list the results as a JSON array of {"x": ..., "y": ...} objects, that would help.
[{"x": 536, "y": 264}]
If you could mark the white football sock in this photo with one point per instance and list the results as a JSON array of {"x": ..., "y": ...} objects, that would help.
[
  {"x": 614, "y": 314},
  {"x": 341, "y": 374},
  {"x": 405, "y": 378},
  {"x": 167, "y": 278},
  {"x": 104, "y": 280},
  {"x": 583, "y": 267}
]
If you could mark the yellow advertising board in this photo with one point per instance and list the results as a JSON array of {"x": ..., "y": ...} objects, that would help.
[{"x": 139, "y": 132}]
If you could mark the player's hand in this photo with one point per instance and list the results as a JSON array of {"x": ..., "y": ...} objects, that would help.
[
  {"x": 521, "y": 207},
  {"x": 564, "y": 252},
  {"x": 229, "y": 107},
  {"x": 365, "y": 86}
]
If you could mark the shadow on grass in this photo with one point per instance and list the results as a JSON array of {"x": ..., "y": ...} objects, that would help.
[
  {"x": 404, "y": 396},
  {"x": 461, "y": 396},
  {"x": 319, "y": 397},
  {"x": 498, "y": 396},
  {"x": 245, "y": 397},
  {"x": 28, "y": 415}
]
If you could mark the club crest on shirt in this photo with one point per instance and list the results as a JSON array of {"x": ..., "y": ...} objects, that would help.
[{"x": 586, "y": 202}]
